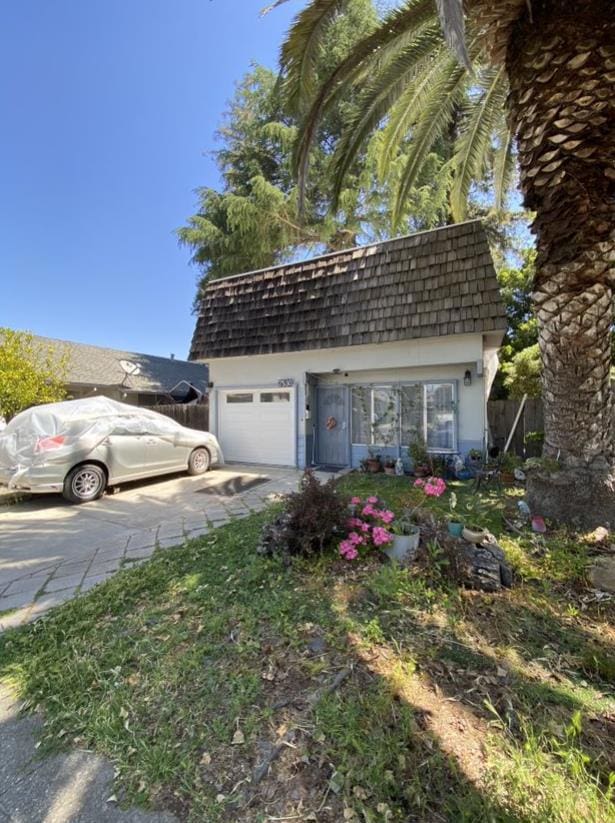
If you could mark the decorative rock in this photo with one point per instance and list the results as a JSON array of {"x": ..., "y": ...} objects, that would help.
[
  {"x": 602, "y": 574},
  {"x": 483, "y": 566},
  {"x": 599, "y": 536}
]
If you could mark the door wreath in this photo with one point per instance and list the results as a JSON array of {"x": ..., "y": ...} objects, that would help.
[{"x": 331, "y": 423}]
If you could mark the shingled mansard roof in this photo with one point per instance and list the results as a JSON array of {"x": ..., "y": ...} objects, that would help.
[
  {"x": 97, "y": 366},
  {"x": 428, "y": 284}
]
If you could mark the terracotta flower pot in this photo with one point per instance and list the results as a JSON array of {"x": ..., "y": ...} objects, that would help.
[{"x": 374, "y": 465}]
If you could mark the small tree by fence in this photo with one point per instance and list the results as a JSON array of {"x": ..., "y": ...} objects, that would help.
[
  {"x": 192, "y": 416},
  {"x": 502, "y": 413}
]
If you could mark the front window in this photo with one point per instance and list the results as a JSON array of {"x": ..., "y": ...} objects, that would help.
[
  {"x": 403, "y": 414},
  {"x": 385, "y": 416},
  {"x": 440, "y": 416}
]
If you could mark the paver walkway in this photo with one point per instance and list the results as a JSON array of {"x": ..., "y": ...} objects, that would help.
[
  {"x": 72, "y": 787},
  {"x": 51, "y": 551}
]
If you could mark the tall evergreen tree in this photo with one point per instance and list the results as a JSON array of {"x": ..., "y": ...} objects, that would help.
[{"x": 254, "y": 219}]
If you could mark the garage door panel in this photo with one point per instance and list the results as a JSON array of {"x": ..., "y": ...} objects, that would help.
[{"x": 258, "y": 426}]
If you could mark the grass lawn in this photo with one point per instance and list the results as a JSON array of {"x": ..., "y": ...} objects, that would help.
[{"x": 387, "y": 694}]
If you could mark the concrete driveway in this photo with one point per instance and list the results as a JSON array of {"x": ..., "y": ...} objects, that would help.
[{"x": 51, "y": 551}]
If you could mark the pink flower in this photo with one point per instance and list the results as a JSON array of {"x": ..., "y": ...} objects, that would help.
[
  {"x": 355, "y": 539},
  {"x": 435, "y": 486},
  {"x": 355, "y": 523},
  {"x": 368, "y": 511},
  {"x": 356, "y": 501},
  {"x": 419, "y": 482},
  {"x": 381, "y": 536},
  {"x": 365, "y": 527},
  {"x": 372, "y": 500},
  {"x": 387, "y": 516},
  {"x": 347, "y": 550}
]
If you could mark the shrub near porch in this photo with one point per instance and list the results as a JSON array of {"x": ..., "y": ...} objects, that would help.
[{"x": 457, "y": 705}]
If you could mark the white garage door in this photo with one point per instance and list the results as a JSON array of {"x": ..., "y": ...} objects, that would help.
[{"x": 257, "y": 426}]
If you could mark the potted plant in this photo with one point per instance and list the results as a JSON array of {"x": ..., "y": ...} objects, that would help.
[
  {"x": 420, "y": 457},
  {"x": 406, "y": 534},
  {"x": 374, "y": 464},
  {"x": 508, "y": 463},
  {"x": 389, "y": 465},
  {"x": 437, "y": 464},
  {"x": 455, "y": 526},
  {"x": 406, "y": 538},
  {"x": 474, "y": 533},
  {"x": 475, "y": 457}
]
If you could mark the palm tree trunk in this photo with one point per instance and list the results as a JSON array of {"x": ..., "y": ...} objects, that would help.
[{"x": 561, "y": 65}]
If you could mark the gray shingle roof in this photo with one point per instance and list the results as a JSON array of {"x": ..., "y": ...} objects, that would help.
[
  {"x": 427, "y": 284},
  {"x": 97, "y": 366}
]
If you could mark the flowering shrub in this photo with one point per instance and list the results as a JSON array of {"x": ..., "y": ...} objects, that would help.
[
  {"x": 432, "y": 486},
  {"x": 367, "y": 528}
]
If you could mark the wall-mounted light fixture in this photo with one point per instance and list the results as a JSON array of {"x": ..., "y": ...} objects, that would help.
[{"x": 467, "y": 378}]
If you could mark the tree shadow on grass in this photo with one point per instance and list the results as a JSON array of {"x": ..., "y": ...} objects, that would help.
[
  {"x": 492, "y": 657},
  {"x": 190, "y": 668}
]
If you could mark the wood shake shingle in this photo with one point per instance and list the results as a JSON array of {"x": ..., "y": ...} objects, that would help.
[{"x": 429, "y": 284}]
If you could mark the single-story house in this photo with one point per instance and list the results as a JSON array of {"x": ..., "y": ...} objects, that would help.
[
  {"x": 131, "y": 377},
  {"x": 319, "y": 362}
]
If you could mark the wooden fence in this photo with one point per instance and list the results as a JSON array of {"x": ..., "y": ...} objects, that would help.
[
  {"x": 192, "y": 416},
  {"x": 502, "y": 413}
]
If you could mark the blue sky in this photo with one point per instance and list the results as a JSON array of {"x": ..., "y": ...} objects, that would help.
[{"x": 109, "y": 108}]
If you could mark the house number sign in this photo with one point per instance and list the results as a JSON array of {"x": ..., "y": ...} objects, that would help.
[{"x": 286, "y": 382}]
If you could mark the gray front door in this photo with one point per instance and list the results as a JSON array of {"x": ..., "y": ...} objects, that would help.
[{"x": 332, "y": 426}]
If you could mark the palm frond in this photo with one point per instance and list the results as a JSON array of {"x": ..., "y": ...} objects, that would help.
[
  {"x": 450, "y": 13},
  {"x": 397, "y": 30},
  {"x": 443, "y": 99},
  {"x": 483, "y": 113},
  {"x": 272, "y": 6},
  {"x": 503, "y": 165},
  {"x": 301, "y": 50},
  {"x": 407, "y": 109},
  {"x": 378, "y": 98}
]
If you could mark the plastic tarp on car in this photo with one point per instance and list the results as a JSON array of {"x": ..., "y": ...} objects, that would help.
[{"x": 50, "y": 432}]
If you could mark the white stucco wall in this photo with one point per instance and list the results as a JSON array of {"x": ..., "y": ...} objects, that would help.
[{"x": 441, "y": 358}]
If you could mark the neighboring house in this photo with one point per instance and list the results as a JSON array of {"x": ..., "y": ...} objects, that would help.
[
  {"x": 317, "y": 362},
  {"x": 139, "y": 379}
]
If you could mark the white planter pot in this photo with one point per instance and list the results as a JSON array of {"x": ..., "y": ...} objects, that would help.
[
  {"x": 404, "y": 546},
  {"x": 474, "y": 536}
]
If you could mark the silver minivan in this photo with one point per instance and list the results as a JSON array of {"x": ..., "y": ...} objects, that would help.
[{"x": 79, "y": 447}]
